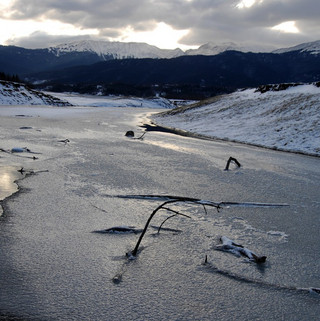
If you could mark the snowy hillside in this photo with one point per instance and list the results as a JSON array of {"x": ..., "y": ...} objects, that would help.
[
  {"x": 12, "y": 93},
  {"x": 118, "y": 50},
  {"x": 281, "y": 119},
  {"x": 211, "y": 48},
  {"x": 310, "y": 47}
]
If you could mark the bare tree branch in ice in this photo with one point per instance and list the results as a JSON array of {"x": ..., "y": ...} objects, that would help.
[
  {"x": 232, "y": 159},
  {"x": 164, "y": 206},
  {"x": 177, "y": 199},
  {"x": 176, "y": 213}
]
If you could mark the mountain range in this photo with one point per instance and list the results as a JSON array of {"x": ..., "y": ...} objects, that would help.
[
  {"x": 117, "y": 67},
  {"x": 122, "y": 50}
]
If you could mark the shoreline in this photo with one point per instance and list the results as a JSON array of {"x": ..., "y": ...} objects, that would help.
[
  {"x": 153, "y": 126},
  {"x": 9, "y": 177}
]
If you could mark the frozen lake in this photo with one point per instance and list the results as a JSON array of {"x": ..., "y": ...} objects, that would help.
[
  {"x": 53, "y": 267},
  {"x": 8, "y": 174}
]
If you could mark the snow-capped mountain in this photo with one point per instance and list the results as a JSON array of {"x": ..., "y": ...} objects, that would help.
[
  {"x": 116, "y": 50},
  {"x": 211, "y": 48},
  {"x": 120, "y": 50},
  {"x": 310, "y": 47}
]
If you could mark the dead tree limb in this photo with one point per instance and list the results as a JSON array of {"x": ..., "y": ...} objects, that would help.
[
  {"x": 176, "y": 214},
  {"x": 205, "y": 209},
  {"x": 232, "y": 159},
  {"x": 163, "y": 205}
]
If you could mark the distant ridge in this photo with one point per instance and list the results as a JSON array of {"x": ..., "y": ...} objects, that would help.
[
  {"x": 124, "y": 50},
  {"x": 211, "y": 49},
  {"x": 310, "y": 47},
  {"x": 116, "y": 50},
  {"x": 141, "y": 69}
]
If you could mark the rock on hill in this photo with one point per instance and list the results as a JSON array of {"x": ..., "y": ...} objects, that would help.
[{"x": 13, "y": 93}]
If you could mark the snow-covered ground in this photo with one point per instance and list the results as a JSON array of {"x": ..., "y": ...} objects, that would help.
[
  {"x": 114, "y": 101},
  {"x": 286, "y": 120},
  {"x": 12, "y": 93}
]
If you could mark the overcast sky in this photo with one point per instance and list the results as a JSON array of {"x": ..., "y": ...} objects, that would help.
[{"x": 164, "y": 23}]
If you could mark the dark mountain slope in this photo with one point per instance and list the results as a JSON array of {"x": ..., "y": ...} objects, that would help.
[
  {"x": 232, "y": 69},
  {"x": 17, "y": 60}
]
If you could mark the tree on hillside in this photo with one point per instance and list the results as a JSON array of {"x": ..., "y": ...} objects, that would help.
[{"x": 7, "y": 77}]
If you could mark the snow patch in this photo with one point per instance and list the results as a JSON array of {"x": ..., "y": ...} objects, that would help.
[
  {"x": 114, "y": 101},
  {"x": 12, "y": 93},
  {"x": 310, "y": 47}
]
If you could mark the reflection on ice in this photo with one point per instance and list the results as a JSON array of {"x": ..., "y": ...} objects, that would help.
[
  {"x": 167, "y": 145},
  {"x": 8, "y": 174}
]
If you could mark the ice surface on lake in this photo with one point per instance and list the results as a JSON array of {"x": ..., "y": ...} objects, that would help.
[
  {"x": 114, "y": 101},
  {"x": 54, "y": 268}
]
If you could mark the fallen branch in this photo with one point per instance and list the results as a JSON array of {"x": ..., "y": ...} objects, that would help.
[
  {"x": 65, "y": 141},
  {"x": 232, "y": 159},
  {"x": 30, "y": 171},
  {"x": 179, "y": 199},
  {"x": 176, "y": 213},
  {"x": 163, "y": 206}
]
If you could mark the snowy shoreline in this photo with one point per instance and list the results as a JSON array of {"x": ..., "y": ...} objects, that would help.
[
  {"x": 286, "y": 120},
  {"x": 187, "y": 133},
  {"x": 282, "y": 117}
]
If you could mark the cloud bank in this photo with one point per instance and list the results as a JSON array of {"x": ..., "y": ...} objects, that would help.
[{"x": 240, "y": 21}]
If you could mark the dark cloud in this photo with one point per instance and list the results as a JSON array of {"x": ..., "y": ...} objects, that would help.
[{"x": 207, "y": 20}]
